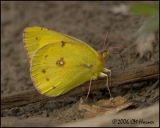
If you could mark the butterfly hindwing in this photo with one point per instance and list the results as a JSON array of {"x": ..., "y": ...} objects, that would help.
[{"x": 59, "y": 67}]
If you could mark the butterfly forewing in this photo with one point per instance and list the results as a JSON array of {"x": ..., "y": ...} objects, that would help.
[{"x": 37, "y": 37}]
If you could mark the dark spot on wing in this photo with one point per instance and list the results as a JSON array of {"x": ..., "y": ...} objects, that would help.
[
  {"x": 53, "y": 87},
  {"x": 63, "y": 43},
  {"x": 47, "y": 79},
  {"x": 60, "y": 62},
  {"x": 45, "y": 56},
  {"x": 36, "y": 38},
  {"x": 43, "y": 71},
  {"x": 87, "y": 65}
]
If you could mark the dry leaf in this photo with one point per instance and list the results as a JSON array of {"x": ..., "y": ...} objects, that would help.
[{"x": 104, "y": 107}]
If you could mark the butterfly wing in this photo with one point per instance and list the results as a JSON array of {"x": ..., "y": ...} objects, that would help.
[
  {"x": 59, "y": 67},
  {"x": 37, "y": 37}
]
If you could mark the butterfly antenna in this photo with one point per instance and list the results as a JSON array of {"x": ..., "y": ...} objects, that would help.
[
  {"x": 89, "y": 89},
  {"x": 105, "y": 44}
]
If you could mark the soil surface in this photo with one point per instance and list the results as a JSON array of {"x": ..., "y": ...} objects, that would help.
[{"x": 88, "y": 21}]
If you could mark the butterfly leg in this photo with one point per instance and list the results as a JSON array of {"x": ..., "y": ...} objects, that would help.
[
  {"x": 90, "y": 83},
  {"x": 105, "y": 75},
  {"x": 108, "y": 71}
]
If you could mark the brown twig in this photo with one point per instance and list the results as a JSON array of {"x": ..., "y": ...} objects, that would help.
[{"x": 141, "y": 73}]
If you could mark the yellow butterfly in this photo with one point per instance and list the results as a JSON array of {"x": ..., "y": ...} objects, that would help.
[{"x": 60, "y": 62}]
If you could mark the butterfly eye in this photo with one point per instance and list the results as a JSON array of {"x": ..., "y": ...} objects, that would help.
[{"x": 105, "y": 54}]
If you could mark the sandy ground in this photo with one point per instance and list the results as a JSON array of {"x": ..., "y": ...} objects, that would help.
[{"x": 86, "y": 21}]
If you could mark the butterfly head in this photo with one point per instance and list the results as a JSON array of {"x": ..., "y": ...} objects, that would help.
[{"x": 104, "y": 54}]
